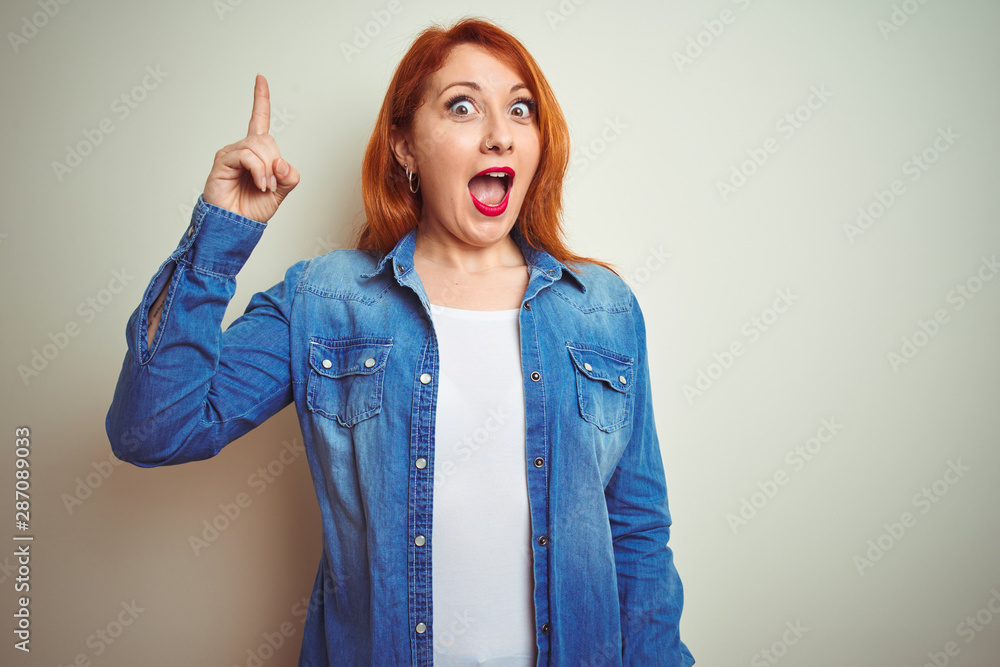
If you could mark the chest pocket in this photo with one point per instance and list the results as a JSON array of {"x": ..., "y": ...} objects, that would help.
[
  {"x": 603, "y": 385},
  {"x": 346, "y": 377}
]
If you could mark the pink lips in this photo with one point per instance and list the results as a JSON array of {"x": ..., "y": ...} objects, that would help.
[{"x": 494, "y": 211}]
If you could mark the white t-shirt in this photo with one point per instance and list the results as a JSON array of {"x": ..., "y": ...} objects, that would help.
[{"x": 482, "y": 580}]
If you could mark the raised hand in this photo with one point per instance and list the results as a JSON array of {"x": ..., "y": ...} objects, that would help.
[{"x": 249, "y": 177}]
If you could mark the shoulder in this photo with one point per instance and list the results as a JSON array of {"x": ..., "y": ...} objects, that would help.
[
  {"x": 338, "y": 272},
  {"x": 592, "y": 287},
  {"x": 351, "y": 258}
]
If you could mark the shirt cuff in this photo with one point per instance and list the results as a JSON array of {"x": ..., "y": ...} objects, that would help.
[{"x": 218, "y": 241}]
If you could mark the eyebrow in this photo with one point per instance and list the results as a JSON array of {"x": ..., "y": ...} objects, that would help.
[{"x": 475, "y": 86}]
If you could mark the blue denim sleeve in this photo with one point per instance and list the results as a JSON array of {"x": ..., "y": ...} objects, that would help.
[
  {"x": 649, "y": 589},
  {"x": 197, "y": 388}
]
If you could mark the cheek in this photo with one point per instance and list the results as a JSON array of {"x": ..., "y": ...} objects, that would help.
[
  {"x": 431, "y": 142},
  {"x": 530, "y": 176},
  {"x": 447, "y": 142},
  {"x": 534, "y": 149}
]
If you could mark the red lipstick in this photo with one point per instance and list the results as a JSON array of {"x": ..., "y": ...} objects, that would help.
[{"x": 486, "y": 209}]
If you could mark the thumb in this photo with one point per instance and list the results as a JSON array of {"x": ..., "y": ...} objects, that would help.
[{"x": 286, "y": 176}]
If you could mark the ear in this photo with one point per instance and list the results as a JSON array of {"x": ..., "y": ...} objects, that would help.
[{"x": 399, "y": 141}]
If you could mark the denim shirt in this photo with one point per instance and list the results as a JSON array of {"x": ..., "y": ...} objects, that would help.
[{"x": 348, "y": 337}]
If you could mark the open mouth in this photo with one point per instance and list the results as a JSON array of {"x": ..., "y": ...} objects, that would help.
[{"x": 491, "y": 186}]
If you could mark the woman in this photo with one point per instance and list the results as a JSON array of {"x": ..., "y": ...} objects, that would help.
[{"x": 460, "y": 387}]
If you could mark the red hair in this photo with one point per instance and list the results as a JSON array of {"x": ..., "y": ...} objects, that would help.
[{"x": 391, "y": 210}]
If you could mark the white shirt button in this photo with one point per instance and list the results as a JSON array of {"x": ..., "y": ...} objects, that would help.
[
  {"x": 621, "y": 378},
  {"x": 588, "y": 366},
  {"x": 190, "y": 231},
  {"x": 421, "y": 628},
  {"x": 421, "y": 463},
  {"x": 425, "y": 378},
  {"x": 420, "y": 540},
  {"x": 327, "y": 363},
  {"x": 369, "y": 362}
]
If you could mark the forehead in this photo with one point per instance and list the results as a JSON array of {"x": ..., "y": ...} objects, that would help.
[{"x": 470, "y": 62}]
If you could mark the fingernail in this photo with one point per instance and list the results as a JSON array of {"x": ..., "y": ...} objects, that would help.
[{"x": 274, "y": 183}]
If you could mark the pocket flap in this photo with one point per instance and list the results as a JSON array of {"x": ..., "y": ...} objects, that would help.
[
  {"x": 603, "y": 365},
  {"x": 353, "y": 356}
]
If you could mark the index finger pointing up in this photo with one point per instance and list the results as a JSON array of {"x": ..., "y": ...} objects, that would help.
[{"x": 260, "y": 117}]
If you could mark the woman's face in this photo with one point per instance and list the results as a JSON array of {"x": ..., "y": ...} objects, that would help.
[{"x": 472, "y": 100}]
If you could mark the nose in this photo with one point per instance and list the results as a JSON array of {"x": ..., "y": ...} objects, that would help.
[{"x": 498, "y": 136}]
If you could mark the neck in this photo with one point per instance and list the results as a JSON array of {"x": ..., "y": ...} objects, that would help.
[{"x": 454, "y": 254}]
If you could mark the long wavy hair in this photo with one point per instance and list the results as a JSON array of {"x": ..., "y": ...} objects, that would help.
[{"x": 391, "y": 210}]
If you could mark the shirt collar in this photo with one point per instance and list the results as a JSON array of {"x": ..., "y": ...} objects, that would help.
[{"x": 401, "y": 257}]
